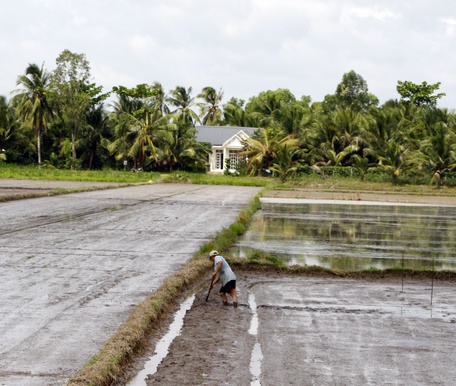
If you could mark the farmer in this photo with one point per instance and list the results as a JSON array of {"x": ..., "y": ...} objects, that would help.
[{"x": 224, "y": 274}]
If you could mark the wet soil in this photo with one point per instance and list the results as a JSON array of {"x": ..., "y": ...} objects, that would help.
[
  {"x": 73, "y": 267},
  {"x": 319, "y": 330},
  {"x": 439, "y": 198},
  {"x": 12, "y": 189},
  {"x": 310, "y": 330},
  {"x": 316, "y": 331}
]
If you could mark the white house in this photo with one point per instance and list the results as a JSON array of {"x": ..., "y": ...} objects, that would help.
[{"x": 226, "y": 144}]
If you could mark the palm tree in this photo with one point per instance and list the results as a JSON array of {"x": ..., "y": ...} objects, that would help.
[
  {"x": 392, "y": 158},
  {"x": 234, "y": 114},
  {"x": 352, "y": 128},
  {"x": 33, "y": 108},
  {"x": 287, "y": 158},
  {"x": 211, "y": 111},
  {"x": 150, "y": 127},
  {"x": 361, "y": 164},
  {"x": 437, "y": 151},
  {"x": 124, "y": 135},
  {"x": 159, "y": 98},
  {"x": 261, "y": 151},
  {"x": 179, "y": 149},
  {"x": 182, "y": 100},
  {"x": 335, "y": 136},
  {"x": 269, "y": 108},
  {"x": 93, "y": 136},
  {"x": 6, "y": 126}
]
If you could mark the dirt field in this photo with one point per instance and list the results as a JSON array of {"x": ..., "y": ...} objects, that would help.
[
  {"x": 73, "y": 267},
  {"x": 439, "y": 198},
  {"x": 316, "y": 331},
  {"x": 288, "y": 330},
  {"x": 13, "y": 189}
]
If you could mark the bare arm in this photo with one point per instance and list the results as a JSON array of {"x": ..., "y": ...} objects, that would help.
[
  {"x": 214, "y": 280},
  {"x": 217, "y": 269},
  {"x": 215, "y": 274}
]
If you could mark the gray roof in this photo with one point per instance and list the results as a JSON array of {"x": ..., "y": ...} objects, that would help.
[{"x": 217, "y": 135}]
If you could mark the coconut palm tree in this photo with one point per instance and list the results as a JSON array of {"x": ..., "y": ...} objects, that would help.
[
  {"x": 335, "y": 136},
  {"x": 273, "y": 109},
  {"x": 180, "y": 149},
  {"x": 437, "y": 151},
  {"x": 6, "y": 126},
  {"x": 159, "y": 98},
  {"x": 393, "y": 159},
  {"x": 150, "y": 127},
  {"x": 287, "y": 158},
  {"x": 234, "y": 114},
  {"x": 124, "y": 135},
  {"x": 261, "y": 151},
  {"x": 32, "y": 107},
  {"x": 211, "y": 111},
  {"x": 92, "y": 136},
  {"x": 182, "y": 100},
  {"x": 361, "y": 163}
]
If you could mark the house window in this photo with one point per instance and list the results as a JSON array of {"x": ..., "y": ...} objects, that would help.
[
  {"x": 219, "y": 159},
  {"x": 235, "y": 158}
]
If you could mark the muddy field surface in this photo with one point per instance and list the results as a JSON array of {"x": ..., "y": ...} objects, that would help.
[
  {"x": 13, "y": 188},
  {"x": 315, "y": 331},
  {"x": 73, "y": 267},
  {"x": 439, "y": 198}
]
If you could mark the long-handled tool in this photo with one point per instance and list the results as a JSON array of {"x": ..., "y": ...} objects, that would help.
[
  {"x": 208, "y": 292},
  {"x": 213, "y": 281}
]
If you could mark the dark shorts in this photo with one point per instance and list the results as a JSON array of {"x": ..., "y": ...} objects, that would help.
[{"x": 226, "y": 289}]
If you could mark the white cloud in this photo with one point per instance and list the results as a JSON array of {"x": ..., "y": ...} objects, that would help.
[
  {"x": 450, "y": 26},
  {"x": 381, "y": 14},
  {"x": 243, "y": 46},
  {"x": 141, "y": 44}
]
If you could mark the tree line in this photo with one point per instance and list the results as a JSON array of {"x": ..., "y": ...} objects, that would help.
[{"x": 61, "y": 119}]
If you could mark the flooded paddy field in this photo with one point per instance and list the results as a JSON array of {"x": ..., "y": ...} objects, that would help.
[
  {"x": 304, "y": 330},
  {"x": 354, "y": 235}
]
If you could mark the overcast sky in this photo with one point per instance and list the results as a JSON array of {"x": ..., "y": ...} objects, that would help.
[{"x": 241, "y": 46}]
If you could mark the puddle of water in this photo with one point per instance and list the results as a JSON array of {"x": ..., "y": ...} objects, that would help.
[
  {"x": 257, "y": 355},
  {"x": 253, "y": 330},
  {"x": 255, "y": 365},
  {"x": 162, "y": 348},
  {"x": 354, "y": 236}
]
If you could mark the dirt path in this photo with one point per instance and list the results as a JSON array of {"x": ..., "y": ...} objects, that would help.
[{"x": 317, "y": 331}]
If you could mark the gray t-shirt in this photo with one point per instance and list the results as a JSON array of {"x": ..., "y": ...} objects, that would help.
[{"x": 226, "y": 274}]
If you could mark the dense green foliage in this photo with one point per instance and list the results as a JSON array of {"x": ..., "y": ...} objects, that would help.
[{"x": 62, "y": 120}]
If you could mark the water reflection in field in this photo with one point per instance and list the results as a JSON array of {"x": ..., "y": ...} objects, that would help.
[{"x": 354, "y": 235}]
